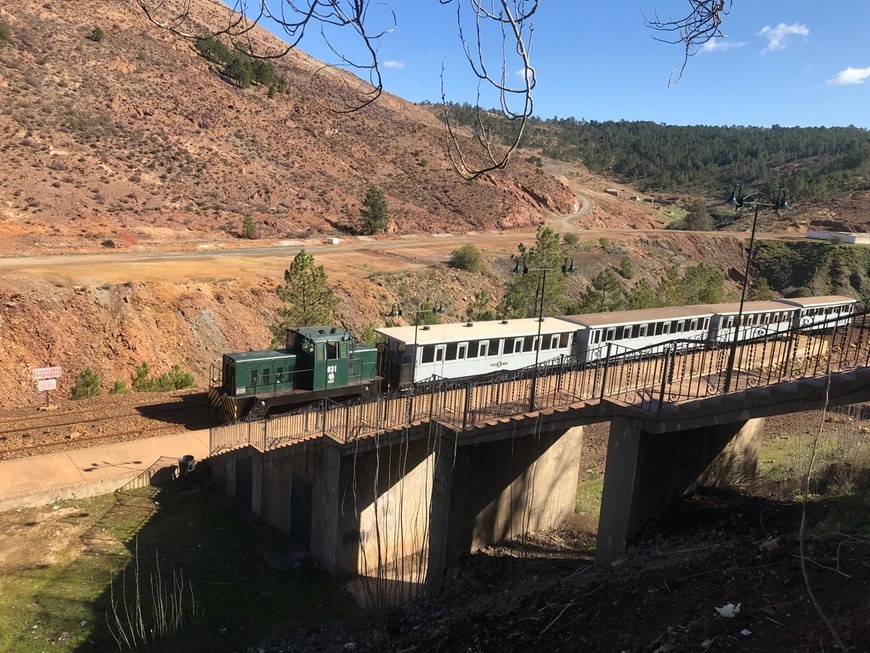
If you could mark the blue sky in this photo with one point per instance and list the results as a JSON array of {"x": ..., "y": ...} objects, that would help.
[{"x": 786, "y": 62}]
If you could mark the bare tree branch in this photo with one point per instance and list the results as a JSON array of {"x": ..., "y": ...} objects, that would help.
[{"x": 699, "y": 26}]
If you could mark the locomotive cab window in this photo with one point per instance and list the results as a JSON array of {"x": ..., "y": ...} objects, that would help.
[
  {"x": 254, "y": 378},
  {"x": 267, "y": 376},
  {"x": 279, "y": 375}
]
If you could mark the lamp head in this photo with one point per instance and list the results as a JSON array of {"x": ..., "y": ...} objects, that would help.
[
  {"x": 568, "y": 267},
  {"x": 782, "y": 205},
  {"x": 735, "y": 200},
  {"x": 395, "y": 311},
  {"x": 438, "y": 309},
  {"x": 521, "y": 267}
]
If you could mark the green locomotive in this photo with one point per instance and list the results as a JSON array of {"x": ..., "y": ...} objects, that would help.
[{"x": 317, "y": 362}]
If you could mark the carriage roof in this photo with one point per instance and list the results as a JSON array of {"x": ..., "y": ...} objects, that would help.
[
  {"x": 825, "y": 300},
  {"x": 429, "y": 334},
  {"x": 639, "y": 316}
]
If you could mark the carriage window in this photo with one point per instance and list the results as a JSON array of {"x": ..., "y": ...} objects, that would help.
[
  {"x": 546, "y": 342},
  {"x": 564, "y": 340},
  {"x": 611, "y": 333},
  {"x": 482, "y": 349},
  {"x": 528, "y": 344},
  {"x": 494, "y": 346},
  {"x": 474, "y": 349},
  {"x": 596, "y": 337},
  {"x": 463, "y": 351},
  {"x": 729, "y": 322},
  {"x": 626, "y": 332},
  {"x": 439, "y": 353},
  {"x": 666, "y": 328},
  {"x": 508, "y": 347},
  {"x": 554, "y": 341},
  {"x": 428, "y": 353},
  {"x": 643, "y": 330},
  {"x": 706, "y": 323},
  {"x": 693, "y": 325},
  {"x": 680, "y": 326},
  {"x": 451, "y": 351},
  {"x": 657, "y": 329}
]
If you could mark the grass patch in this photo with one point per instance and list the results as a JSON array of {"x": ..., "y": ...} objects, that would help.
[
  {"x": 55, "y": 578},
  {"x": 589, "y": 489}
]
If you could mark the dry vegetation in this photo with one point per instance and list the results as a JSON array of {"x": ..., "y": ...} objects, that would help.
[{"x": 138, "y": 140}]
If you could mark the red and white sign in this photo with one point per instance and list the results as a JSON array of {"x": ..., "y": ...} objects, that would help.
[
  {"x": 43, "y": 373},
  {"x": 44, "y": 385}
]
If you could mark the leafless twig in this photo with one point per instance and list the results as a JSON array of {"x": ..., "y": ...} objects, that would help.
[{"x": 701, "y": 24}]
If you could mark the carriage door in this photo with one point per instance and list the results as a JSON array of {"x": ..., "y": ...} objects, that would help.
[{"x": 439, "y": 355}]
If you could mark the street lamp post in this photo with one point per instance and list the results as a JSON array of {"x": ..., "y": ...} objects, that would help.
[
  {"x": 396, "y": 311},
  {"x": 522, "y": 268},
  {"x": 740, "y": 201}
]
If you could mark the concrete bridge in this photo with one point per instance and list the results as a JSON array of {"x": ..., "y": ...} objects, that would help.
[{"x": 391, "y": 492}]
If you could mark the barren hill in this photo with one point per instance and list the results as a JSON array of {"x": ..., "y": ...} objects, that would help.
[{"x": 136, "y": 139}]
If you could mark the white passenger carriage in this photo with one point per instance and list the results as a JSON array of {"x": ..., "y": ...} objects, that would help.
[
  {"x": 644, "y": 329},
  {"x": 822, "y": 312},
  {"x": 466, "y": 349},
  {"x": 759, "y": 319}
]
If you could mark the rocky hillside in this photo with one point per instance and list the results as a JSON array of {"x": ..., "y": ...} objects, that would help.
[{"x": 133, "y": 138}]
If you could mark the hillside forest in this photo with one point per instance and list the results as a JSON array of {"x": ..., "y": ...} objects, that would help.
[{"x": 813, "y": 163}]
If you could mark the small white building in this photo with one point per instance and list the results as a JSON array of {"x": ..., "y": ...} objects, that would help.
[{"x": 840, "y": 236}]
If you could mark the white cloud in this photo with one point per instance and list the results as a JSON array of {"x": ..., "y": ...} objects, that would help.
[
  {"x": 720, "y": 45},
  {"x": 776, "y": 35},
  {"x": 850, "y": 76},
  {"x": 394, "y": 64}
]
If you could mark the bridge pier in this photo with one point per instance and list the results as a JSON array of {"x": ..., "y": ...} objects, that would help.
[
  {"x": 491, "y": 491},
  {"x": 645, "y": 472}
]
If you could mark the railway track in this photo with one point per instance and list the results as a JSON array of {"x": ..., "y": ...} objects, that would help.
[{"x": 101, "y": 422}]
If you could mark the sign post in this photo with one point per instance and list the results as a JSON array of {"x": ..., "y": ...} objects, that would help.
[{"x": 46, "y": 380}]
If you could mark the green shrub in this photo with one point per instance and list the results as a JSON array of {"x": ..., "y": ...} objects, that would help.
[
  {"x": 467, "y": 258},
  {"x": 249, "y": 227},
  {"x": 570, "y": 238},
  {"x": 120, "y": 388},
  {"x": 175, "y": 379},
  {"x": 87, "y": 385},
  {"x": 97, "y": 34}
]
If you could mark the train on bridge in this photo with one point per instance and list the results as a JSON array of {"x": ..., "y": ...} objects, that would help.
[{"x": 328, "y": 363}]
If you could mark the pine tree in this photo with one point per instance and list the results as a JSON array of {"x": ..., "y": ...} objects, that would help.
[
  {"x": 375, "y": 217},
  {"x": 522, "y": 297},
  {"x": 306, "y": 298}
]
